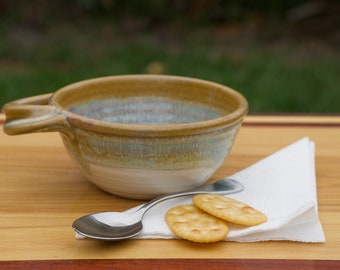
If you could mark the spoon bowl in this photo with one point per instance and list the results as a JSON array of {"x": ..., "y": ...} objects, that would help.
[{"x": 127, "y": 224}]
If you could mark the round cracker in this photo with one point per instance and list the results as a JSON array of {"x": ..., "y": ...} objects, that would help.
[
  {"x": 229, "y": 209},
  {"x": 191, "y": 223}
]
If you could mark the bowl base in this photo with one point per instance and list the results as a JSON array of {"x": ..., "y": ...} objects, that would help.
[{"x": 146, "y": 183}]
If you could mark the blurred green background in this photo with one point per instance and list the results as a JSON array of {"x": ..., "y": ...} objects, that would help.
[{"x": 282, "y": 55}]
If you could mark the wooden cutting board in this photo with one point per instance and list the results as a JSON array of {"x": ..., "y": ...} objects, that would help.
[{"x": 42, "y": 192}]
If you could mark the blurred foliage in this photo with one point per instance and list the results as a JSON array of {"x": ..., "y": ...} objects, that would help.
[
  {"x": 282, "y": 55},
  {"x": 36, "y": 11},
  {"x": 146, "y": 14}
]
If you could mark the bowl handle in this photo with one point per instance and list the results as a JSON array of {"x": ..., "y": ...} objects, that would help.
[{"x": 34, "y": 114}]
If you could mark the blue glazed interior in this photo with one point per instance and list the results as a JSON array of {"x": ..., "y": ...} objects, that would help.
[{"x": 146, "y": 110}]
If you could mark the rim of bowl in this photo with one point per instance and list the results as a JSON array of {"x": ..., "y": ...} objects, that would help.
[{"x": 140, "y": 130}]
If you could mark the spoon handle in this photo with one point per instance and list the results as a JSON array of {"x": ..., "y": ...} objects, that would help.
[{"x": 224, "y": 186}]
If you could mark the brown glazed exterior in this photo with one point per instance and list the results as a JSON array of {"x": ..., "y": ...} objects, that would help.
[{"x": 138, "y": 136}]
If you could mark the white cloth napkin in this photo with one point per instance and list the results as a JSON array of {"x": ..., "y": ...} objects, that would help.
[{"x": 281, "y": 185}]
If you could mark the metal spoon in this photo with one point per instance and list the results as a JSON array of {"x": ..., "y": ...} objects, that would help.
[{"x": 128, "y": 224}]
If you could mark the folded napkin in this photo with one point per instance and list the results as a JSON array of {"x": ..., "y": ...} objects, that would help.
[{"x": 281, "y": 185}]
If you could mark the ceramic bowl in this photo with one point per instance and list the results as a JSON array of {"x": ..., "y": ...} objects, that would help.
[{"x": 138, "y": 136}]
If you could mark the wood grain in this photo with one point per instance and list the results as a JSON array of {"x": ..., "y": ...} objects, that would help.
[
  {"x": 42, "y": 192},
  {"x": 178, "y": 264}
]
